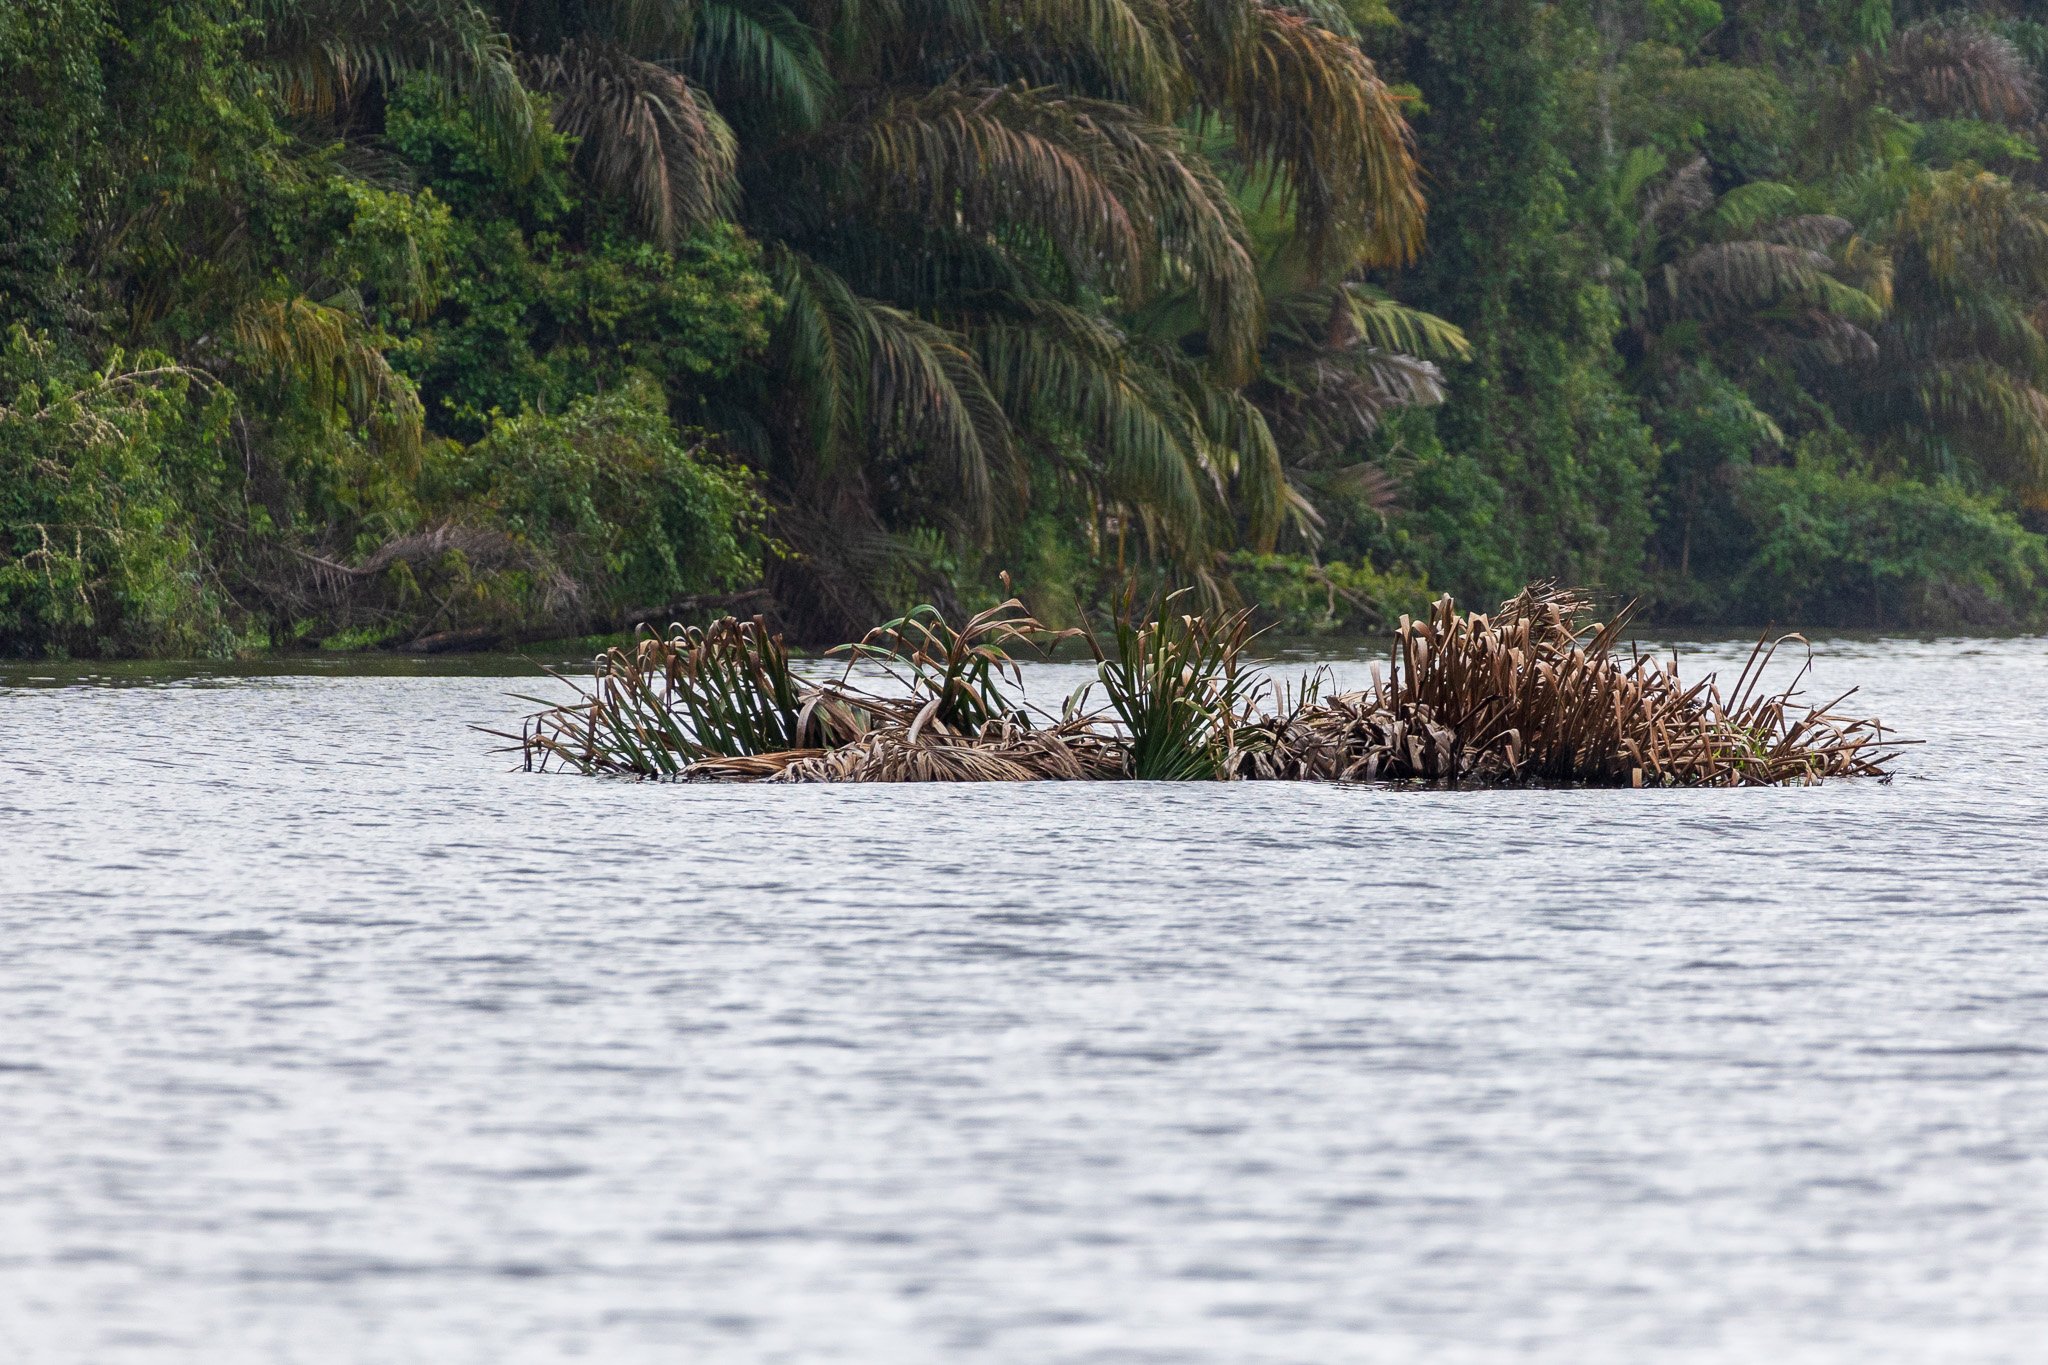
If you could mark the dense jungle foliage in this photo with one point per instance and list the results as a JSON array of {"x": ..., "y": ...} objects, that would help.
[{"x": 431, "y": 323}]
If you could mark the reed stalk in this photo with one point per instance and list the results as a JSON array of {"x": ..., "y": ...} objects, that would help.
[{"x": 1177, "y": 685}]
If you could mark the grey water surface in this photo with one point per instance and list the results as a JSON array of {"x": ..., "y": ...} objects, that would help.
[{"x": 325, "y": 1037}]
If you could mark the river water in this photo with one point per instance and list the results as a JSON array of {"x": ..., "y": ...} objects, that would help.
[{"x": 325, "y": 1037}]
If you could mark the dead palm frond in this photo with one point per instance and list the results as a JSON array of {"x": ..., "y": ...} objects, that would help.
[
  {"x": 956, "y": 674},
  {"x": 999, "y": 753},
  {"x": 1537, "y": 692}
]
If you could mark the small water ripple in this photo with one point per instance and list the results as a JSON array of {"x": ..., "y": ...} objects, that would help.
[{"x": 325, "y": 1038}]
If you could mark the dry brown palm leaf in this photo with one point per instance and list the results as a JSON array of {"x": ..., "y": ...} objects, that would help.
[
  {"x": 1540, "y": 693},
  {"x": 1537, "y": 692},
  {"x": 1003, "y": 750},
  {"x": 643, "y": 134}
]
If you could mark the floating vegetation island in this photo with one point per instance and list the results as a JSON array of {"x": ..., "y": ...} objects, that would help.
[{"x": 1535, "y": 693}]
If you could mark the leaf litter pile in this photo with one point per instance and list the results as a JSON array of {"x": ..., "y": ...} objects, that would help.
[{"x": 1534, "y": 693}]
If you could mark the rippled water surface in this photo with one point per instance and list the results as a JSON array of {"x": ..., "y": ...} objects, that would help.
[{"x": 325, "y": 1038}]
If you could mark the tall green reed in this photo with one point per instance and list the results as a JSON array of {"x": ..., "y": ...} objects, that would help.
[{"x": 1176, "y": 683}]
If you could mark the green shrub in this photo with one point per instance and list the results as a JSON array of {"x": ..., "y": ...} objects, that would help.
[
  {"x": 605, "y": 506},
  {"x": 99, "y": 551},
  {"x": 1297, "y": 596},
  {"x": 1846, "y": 548},
  {"x": 549, "y": 298}
]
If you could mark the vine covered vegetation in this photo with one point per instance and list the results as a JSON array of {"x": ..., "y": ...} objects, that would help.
[{"x": 441, "y": 323}]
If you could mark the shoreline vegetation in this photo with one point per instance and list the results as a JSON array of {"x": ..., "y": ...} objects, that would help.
[
  {"x": 1536, "y": 693},
  {"x": 389, "y": 325}
]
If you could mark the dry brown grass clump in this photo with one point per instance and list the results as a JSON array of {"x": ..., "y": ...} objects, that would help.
[
  {"x": 1539, "y": 693},
  {"x": 1003, "y": 752},
  {"x": 722, "y": 703},
  {"x": 1536, "y": 692}
]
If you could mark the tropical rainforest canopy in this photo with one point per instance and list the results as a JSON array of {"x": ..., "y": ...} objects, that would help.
[{"x": 372, "y": 322}]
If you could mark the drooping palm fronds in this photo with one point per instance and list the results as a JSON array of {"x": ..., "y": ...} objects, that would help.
[
  {"x": 871, "y": 372},
  {"x": 644, "y": 134},
  {"x": 1009, "y": 154},
  {"x": 1338, "y": 359},
  {"x": 760, "y": 60},
  {"x": 1310, "y": 109},
  {"x": 1120, "y": 49},
  {"x": 326, "y": 348},
  {"x": 1534, "y": 693},
  {"x": 960, "y": 179},
  {"x": 1747, "y": 275},
  {"x": 1952, "y": 68},
  {"x": 327, "y": 53},
  {"x": 1985, "y": 413},
  {"x": 1757, "y": 273},
  {"x": 1146, "y": 439},
  {"x": 1123, "y": 204},
  {"x": 1753, "y": 250},
  {"x": 1045, "y": 179},
  {"x": 1960, "y": 386}
]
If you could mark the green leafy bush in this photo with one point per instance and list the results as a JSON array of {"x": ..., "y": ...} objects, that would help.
[
  {"x": 605, "y": 507},
  {"x": 1845, "y": 548},
  {"x": 99, "y": 552},
  {"x": 550, "y": 298},
  {"x": 1297, "y": 596}
]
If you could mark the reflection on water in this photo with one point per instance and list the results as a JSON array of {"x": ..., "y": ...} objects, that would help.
[{"x": 324, "y": 1037}]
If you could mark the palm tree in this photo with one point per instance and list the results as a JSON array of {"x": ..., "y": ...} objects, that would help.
[
  {"x": 1754, "y": 274},
  {"x": 1959, "y": 382},
  {"x": 327, "y": 55},
  {"x": 1016, "y": 226},
  {"x": 1952, "y": 67},
  {"x": 1729, "y": 301},
  {"x": 1002, "y": 228},
  {"x": 1337, "y": 358}
]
